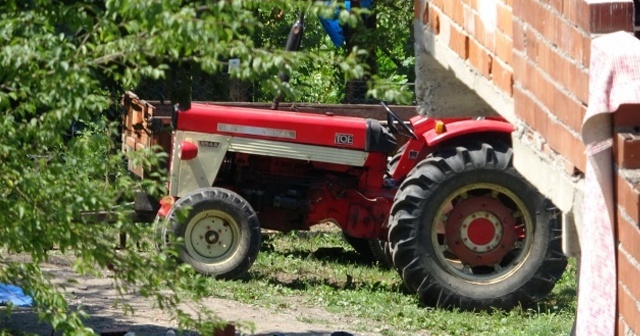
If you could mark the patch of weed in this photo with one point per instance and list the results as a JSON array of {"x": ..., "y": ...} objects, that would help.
[{"x": 321, "y": 270}]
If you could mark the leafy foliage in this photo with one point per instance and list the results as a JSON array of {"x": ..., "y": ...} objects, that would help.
[{"x": 64, "y": 63}]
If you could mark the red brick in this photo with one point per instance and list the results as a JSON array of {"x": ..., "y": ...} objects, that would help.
[
  {"x": 528, "y": 109},
  {"x": 627, "y": 234},
  {"x": 519, "y": 67},
  {"x": 472, "y": 3},
  {"x": 565, "y": 143},
  {"x": 533, "y": 14},
  {"x": 484, "y": 36},
  {"x": 600, "y": 18},
  {"x": 539, "y": 83},
  {"x": 628, "y": 274},
  {"x": 531, "y": 45},
  {"x": 459, "y": 42},
  {"x": 448, "y": 7},
  {"x": 569, "y": 110},
  {"x": 505, "y": 19},
  {"x": 525, "y": 106},
  {"x": 558, "y": 136},
  {"x": 417, "y": 9},
  {"x": 508, "y": 2},
  {"x": 504, "y": 47},
  {"x": 577, "y": 81},
  {"x": 518, "y": 7},
  {"x": 549, "y": 60},
  {"x": 437, "y": 3},
  {"x": 555, "y": 4},
  {"x": 627, "y": 308},
  {"x": 502, "y": 76},
  {"x": 628, "y": 198},
  {"x": 621, "y": 327},
  {"x": 627, "y": 115},
  {"x": 608, "y": 17},
  {"x": 576, "y": 11},
  {"x": 479, "y": 57},
  {"x": 519, "y": 34},
  {"x": 572, "y": 77},
  {"x": 551, "y": 22},
  {"x": 433, "y": 19},
  {"x": 627, "y": 150},
  {"x": 469, "y": 19},
  {"x": 574, "y": 42},
  {"x": 458, "y": 12}
]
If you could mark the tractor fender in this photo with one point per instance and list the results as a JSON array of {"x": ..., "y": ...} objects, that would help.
[{"x": 460, "y": 128}]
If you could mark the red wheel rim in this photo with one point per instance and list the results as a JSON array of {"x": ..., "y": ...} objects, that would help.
[{"x": 480, "y": 231}]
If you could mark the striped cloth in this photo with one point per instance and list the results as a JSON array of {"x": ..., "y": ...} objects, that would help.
[{"x": 614, "y": 80}]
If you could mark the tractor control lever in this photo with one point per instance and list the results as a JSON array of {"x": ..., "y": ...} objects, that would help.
[{"x": 393, "y": 118}]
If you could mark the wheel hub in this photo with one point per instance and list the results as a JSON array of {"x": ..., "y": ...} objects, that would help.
[
  {"x": 211, "y": 237},
  {"x": 480, "y": 231}
]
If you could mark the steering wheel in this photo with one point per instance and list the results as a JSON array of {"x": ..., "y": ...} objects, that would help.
[{"x": 392, "y": 118}]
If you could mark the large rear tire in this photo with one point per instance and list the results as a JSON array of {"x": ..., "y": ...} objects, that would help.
[
  {"x": 467, "y": 231},
  {"x": 220, "y": 232}
]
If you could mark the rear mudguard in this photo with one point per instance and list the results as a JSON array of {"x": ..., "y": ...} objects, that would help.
[{"x": 433, "y": 133}]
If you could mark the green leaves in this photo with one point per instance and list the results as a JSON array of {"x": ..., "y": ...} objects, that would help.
[{"x": 63, "y": 66}]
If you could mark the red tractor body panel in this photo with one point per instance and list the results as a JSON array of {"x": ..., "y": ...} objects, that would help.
[{"x": 302, "y": 128}]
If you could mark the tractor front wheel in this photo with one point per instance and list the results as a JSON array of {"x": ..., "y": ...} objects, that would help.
[
  {"x": 220, "y": 232},
  {"x": 467, "y": 231}
]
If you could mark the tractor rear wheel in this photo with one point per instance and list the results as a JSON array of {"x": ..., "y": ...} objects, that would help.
[
  {"x": 220, "y": 232},
  {"x": 467, "y": 231}
]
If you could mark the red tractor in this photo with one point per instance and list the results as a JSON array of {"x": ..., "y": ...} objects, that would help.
[{"x": 446, "y": 209}]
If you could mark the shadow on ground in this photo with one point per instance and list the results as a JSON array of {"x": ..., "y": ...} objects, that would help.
[{"x": 24, "y": 321}]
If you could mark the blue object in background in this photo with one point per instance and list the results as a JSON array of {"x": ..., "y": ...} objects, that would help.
[
  {"x": 15, "y": 295},
  {"x": 332, "y": 26}
]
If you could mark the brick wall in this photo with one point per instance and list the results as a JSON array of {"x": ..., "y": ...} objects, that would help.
[
  {"x": 534, "y": 51},
  {"x": 536, "y": 54},
  {"x": 627, "y": 157}
]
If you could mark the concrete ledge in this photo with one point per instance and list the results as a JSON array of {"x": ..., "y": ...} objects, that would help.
[
  {"x": 566, "y": 192},
  {"x": 463, "y": 71}
]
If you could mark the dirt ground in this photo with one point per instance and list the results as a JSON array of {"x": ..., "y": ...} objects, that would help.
[{"x": 97, "y": 297}]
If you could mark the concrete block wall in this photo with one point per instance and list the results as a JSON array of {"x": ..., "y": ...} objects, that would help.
[{"x": 627, "y": 157}]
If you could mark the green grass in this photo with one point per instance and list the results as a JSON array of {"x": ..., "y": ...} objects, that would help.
[{"x": 321, "y": 270}]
